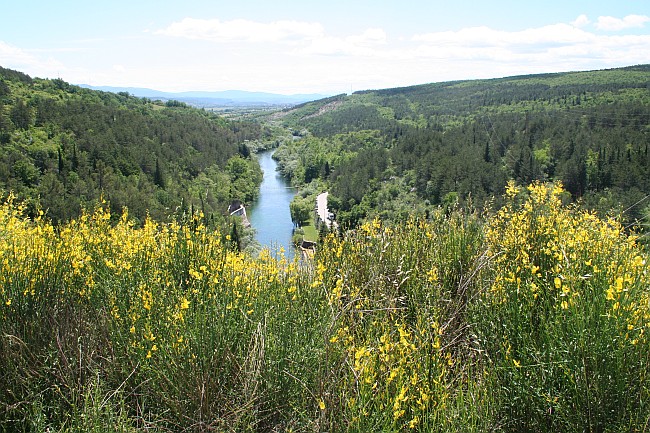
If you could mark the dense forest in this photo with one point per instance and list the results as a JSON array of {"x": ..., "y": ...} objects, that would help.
[
  {"x": 395, "y": 152},
  {"x": 65, "y": 148}
]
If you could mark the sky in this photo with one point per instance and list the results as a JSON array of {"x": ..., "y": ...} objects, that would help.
[{"x": 308, "y": 46}]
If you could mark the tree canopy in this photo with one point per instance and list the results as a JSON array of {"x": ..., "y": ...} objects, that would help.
[
  {"x": 65, "y": 147},
  {"x": 411, "y": 149}
]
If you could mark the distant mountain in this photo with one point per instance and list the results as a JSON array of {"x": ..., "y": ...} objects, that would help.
[{"x": 227, "y": 98}]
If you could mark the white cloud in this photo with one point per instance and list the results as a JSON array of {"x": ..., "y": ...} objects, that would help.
[
  {"x": 242, "y": 30},
  {"x": 306, "y": 38},
  {"x": 15, "y": 56},
  {"x": 615, "y": 24},
  {"x": 487, "y": 37},
  {"x": 22, "y": 60},
  {"x": 581, "y": 21},
  {"x": 484, "y": 52},
  {"x": 369, "y": 37},
  {"x": 550, "y": 45},
  {"x": 561, "y": 40},
  {"x": 365, "y": 44}
]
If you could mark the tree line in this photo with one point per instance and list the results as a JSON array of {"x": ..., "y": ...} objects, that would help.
[
  {"x": 397, "y": 151},
  {"x": 64, "y": 147}
]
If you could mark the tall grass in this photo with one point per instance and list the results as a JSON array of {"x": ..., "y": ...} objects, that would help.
[
  {"x": 398, "y": 297},
  {"x": 166, "y": 320},
  {"x": 533, "y": 319}
]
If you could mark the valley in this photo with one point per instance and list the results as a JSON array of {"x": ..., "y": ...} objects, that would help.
[{"x": 486, "y": 269}]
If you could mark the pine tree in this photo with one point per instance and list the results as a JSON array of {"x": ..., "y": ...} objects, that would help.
[
  {"x": 75, "y": 160},
  {"x": 60, "y": 161},
  {"x": 158, "y": 177},
  {"x": 234, "y": 237}
]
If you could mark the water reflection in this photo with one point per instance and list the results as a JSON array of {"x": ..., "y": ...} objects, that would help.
[{"x": 269, "y": 214}]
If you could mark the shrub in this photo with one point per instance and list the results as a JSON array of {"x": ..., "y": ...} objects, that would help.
[
  {"x": 531, "y": 320},
  {"x": 564, "y": 321}
]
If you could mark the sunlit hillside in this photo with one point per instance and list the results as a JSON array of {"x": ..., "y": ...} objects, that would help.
[
  {"x": 63, "y": 148},
  {"x": 490, "y": 272},
  {"x": 532, "y": 319},
  {"x": 394, "y": 152}
]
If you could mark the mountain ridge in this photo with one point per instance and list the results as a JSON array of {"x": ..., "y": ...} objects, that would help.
[
  {"x": 215, "y": 98},
  {"x": 395, "y": 152}
]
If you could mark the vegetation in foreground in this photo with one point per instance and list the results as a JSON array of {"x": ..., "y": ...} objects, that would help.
[{"x": 532, "y": 319}]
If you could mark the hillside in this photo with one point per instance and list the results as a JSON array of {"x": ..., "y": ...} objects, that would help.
[
  {"x": 528, "y": 318},
  {"x": 397, "y": 151},
  {"x": 65, "y": 147}
]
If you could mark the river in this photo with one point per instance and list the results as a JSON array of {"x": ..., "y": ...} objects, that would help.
[{"x": 269, "y": 214}]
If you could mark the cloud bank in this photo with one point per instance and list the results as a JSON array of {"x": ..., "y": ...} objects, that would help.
[
  {"x": 23, "y": 60},
  {"x": 559, "y": 41},
  {"x": 616, "y": 24},
  {"x": 242, "y": 30},
  {"x": 291, "y": 56}
]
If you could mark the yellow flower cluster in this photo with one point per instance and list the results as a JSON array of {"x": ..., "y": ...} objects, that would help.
[
  {"x": 559, "y": 274},
  {"x": 398, "y": 366},
  {"x": 565, "y": 255},
  {"x": 391, "y": 373},
  {"x": 157, "y": 282}
]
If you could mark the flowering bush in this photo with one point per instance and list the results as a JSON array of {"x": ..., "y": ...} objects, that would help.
[
  {"x": 533, "y": 319},
  {"x": 564, "y": 321},
  {"x": 170, "y": 321}
]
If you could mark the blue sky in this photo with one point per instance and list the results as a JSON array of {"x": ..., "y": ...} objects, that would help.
[{"x": 311, "y": 46}]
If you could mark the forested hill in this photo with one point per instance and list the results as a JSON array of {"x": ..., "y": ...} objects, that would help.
[
  {"x": 394, "y": 151},
  {"x": 64, "y": 147}
]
